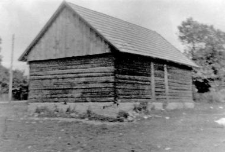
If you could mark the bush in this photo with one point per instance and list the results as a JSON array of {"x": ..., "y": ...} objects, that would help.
[
  {"x": 210, "y": 97},
  {"x": 45, "y": 111},
  {"x": 89, "y": 114},
  {"x": 40, "y": 110},
  {"x": 71, "y": 110},
  {"x": 141, "y": 107},
  {"x": 123, "y": 114},
  {"x": 93, "y": 116}
]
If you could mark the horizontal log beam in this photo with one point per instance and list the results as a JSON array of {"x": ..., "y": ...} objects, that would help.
[
  {"x": 71, "y": 76},
  {"x": 74, "y": 71}
]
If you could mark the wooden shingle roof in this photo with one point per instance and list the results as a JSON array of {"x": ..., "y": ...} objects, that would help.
[
  {"x": 128, "y": 37},
  {"x": 131, "y": 38}
]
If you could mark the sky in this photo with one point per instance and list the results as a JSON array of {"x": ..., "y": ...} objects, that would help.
[{"x": 25, "y": 19}]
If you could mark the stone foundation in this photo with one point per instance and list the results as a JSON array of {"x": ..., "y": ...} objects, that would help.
[
  {"x": 106, "y": 108},
  {"x": 173, "y": 105},
  {"x": 101, "y": 108}
]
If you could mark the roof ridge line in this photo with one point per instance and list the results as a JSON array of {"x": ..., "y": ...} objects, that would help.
[
  {"x": 176, "y": 48},
  {"x": 113, "y": 17}
]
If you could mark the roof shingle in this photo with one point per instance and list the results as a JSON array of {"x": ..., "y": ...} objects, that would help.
[
  {"x": 131, "y": 38},
  {"x": 125, "y": 36}
]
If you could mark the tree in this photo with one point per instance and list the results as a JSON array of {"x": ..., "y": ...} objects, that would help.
[
  {"x": 20, "y": 83},
  {"x": 205, "y": 45},
  {"x": 4, "y": 80},
  {"x": 0, "y": 52}
]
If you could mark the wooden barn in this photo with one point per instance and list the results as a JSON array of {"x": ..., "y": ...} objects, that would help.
[{"x": 82, "y": 55}]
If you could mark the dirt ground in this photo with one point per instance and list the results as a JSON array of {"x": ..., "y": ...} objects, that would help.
[{"x": 176, "y": 131}]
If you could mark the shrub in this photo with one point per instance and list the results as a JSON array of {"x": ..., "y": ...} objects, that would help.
[
  {"x": 71, "y": 110},
  {"x": 45, "y": 111},
  {"x": 141, "y": 107},
  {"x": 56, "y": 112},
  {"x": 210, "y": 97},
  {"x": 93, "y": 116},
  {"x": 39, "y": 110},
  {"x": 122, "y": 114}
]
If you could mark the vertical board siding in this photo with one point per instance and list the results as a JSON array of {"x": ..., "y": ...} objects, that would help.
[
  {"x": 68, "y": 36},
  {"x": 152, "y": 80},
  {"x": 166, "y": 82},
  {"x": 83, "y": 79}
]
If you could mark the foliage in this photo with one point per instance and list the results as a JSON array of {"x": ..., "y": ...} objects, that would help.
[
  {"x": 141, "y": 107},
  {"x": 44, "y": 111},
  {"x": 4, "y": 80},
  {"x": 210, "y": 97},
  {"x": 20, "y": 83},
  {"x": 70, "y": 110},
  {"x": 123, "y": 114},
  {"x": 0, "y": 51},
  {"x": 204, "y": 45}
]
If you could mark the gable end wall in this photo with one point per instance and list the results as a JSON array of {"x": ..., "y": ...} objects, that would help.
[{"x": 67, "y": 36}]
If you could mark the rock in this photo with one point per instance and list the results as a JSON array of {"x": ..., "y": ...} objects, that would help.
[
  {"x": 29, "y": 147},
  {"x": 130, "y": 119},
  {"x": 189, "y": 105},
  {"x": 73, "y": 115},
  {"x": 35, "y": 115},
  {"x": 145, "y": 117},
  {"x": 158, "y": 105},
  {"x": 157, "y": 116},
  {"x": 132, "y": 114},
  {"x": 168, "y": 148},
  {"x": 221, "y": 122}
]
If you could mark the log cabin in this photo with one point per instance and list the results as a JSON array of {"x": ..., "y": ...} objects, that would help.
[{"x": 81, "y": 55}]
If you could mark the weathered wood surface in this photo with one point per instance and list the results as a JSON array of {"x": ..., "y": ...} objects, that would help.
[
  {"x": 179, "y": 83},
  {"x": 67, "y": 36},
  {"x": 99, "y": 70},
  {"x": 86, "y": 79},
  {"x": 166, "y": 82},
  {"x": 106, "y": 99},
  {"x": 139, "y": 77},
  {"x": 160, "y": 90},
  {"x": 153, "y": 81},
  {"x": 133, "y": 80},
  {"x": 108, "y": 77}
]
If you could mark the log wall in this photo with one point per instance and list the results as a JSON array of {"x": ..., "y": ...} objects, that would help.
[
  {"x": 160, "y": 88},
  {"x": 133, "y": 80},
  {"x": 109, "y": 77},
  {"x": 80, "y": 79},
  {"x": 140, "y": 78},
  {"x": 179, "y": 83}
]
